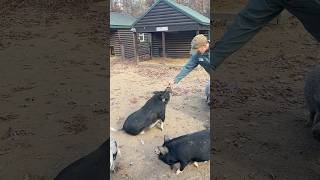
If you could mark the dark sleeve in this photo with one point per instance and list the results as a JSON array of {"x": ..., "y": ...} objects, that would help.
[
  {"x": 247, "y": 24},
  {"x": 187, "y": 68}
]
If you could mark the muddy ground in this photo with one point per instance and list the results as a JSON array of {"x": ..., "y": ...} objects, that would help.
[
  {"x": 131, "y": 86},
  {"x": 227, "y": 5},
  {"x": 51, "y": 92},
  {"x": 259, "y": 115}
]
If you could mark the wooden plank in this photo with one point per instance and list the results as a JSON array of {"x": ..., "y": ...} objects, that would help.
[
  {"x": 150, "y": 44},
  {"x": 161, "y": 17},
  {"x": 177, "y": 43},
  {"x": 171, "y": 28},
  {"x": 126, "y": 38},
  {"x": 120, "y": 44},
  {"x": 163, "y": 45},
  {"x": 156, "y": 43}
]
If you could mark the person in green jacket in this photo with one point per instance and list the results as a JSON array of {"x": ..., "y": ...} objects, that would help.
[{"x": 199, "y": 56}]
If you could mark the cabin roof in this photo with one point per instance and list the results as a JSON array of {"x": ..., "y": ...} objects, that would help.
[
  {"x": 193, "y": 14},
  {"x": 121, "y": 20}
]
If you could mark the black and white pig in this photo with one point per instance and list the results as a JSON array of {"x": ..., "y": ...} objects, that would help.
[
  {"x": 190, "y": 148},
  {"x": 153, "y": 112},
  {"x": 114, "y": 151},
  {"x": 312, "y": 96},
  {"x": 92, "y": 166}
]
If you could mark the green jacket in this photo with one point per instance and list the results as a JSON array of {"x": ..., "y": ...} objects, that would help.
[{"x": 193, "y": 62}]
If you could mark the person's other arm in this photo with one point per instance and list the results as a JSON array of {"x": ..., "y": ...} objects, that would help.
[
  {"x": 187, "y": 68},
  {"x": 246, "y": 25}
]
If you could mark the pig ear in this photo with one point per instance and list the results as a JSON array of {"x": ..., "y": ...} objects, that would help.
[
  {"x": 166, "y": 138},
  {"x": 163, "y": 150},
  {"x": 156, "y": 92}
]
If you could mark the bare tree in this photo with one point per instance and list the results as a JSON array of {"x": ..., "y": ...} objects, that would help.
[
  {"x": 202, "y": 6},
  {"x": 115, "y": 6},
  {"x": 149, "y": 3},
  {"x": 138, "y": 7}
]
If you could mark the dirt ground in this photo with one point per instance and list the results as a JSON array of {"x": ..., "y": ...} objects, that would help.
[
  {"x": 259, "y": 114},
  {"x": 131, "y": 86},
  {"x": 51, "y": 92},
  {"x": 227, "y": 5},
  {"x": 176, "y": 62},
  {"x": 258, "y": 117}
]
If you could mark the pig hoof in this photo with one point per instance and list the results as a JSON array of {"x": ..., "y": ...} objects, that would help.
[
  {"x": 161, "y": 126},
  {"x": 142, "y": 132},
  {"x": 178, "y": 172},
  {"x": 196, "y": 164}
]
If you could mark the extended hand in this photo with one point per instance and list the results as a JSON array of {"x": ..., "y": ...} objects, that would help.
[{"x": 171, "y": 83}]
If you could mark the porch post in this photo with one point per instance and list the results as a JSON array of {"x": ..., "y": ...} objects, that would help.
[
  {"x": 150, "y": 44},
  {"x": 135, "y": 47},
  {"x": 163, "y": 47}
]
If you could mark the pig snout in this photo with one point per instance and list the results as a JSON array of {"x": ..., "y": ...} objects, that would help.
[{"x": 168, "y": 89}]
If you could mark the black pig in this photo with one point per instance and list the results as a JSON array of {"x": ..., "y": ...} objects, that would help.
[
  {"x": 92, "y": 166},
  {"x": 185, "y": 149},
  {"x": 152, "y": 113}
]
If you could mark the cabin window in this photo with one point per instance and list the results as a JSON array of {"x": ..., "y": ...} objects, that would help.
[{"x": 141, "y": 37}]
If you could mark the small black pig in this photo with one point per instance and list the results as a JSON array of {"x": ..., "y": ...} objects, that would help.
[
  {"x": 152, "y": 113},
  {"x": 92, "y": 166},
  {"x": 312, "y": 95},
  {"x": 185, "y": 149}
]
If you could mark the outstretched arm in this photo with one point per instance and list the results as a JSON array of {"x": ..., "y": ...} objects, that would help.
[
  {"x": 191, "y": 64},
  {"x": 246, "y": 25}
]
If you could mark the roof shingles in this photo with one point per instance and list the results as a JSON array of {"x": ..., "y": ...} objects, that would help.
[
  {"x": 121, "y": 20},
  {"x": 193, "y": 14},
  {"x": 190, "y": 12}
]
